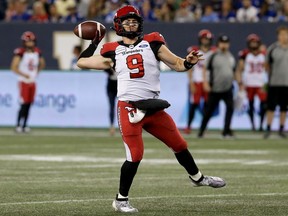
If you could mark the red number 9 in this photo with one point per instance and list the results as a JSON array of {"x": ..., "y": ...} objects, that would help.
[{"x": 135, "y": 61}]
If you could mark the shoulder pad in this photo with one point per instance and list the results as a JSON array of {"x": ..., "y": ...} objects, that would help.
[
  {"x": 19, "y": 51},
  {"x": 37, "y": 50},
  {"x": 108, "y": 47},
  {"x": 243, "y": 53},
  {"x": 153, "y": 37}
]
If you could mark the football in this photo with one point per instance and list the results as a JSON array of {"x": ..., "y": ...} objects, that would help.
[{"x": 87, "y": 30}]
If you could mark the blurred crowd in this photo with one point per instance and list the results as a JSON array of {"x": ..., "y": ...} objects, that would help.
[{"x": 61, "y": 11}]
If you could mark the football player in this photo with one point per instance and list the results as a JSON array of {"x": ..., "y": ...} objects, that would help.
[
  {"x": 136, "y": 62},
  {"x": 26, "y": 63},
  {"x": 195, "y": 75},
  {"x": 251, "y": 69}
]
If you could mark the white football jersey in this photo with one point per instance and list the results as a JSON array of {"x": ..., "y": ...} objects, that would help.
[
  {"x": 136, "y": 66},
  {"x": 29, "y": 64},
  {"x": 254, "y": 70},
  {"x": 197, "y": 75}
]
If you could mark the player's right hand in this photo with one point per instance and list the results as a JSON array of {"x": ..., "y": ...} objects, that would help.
[
  {"x": 206, "y": 87},
  {"x": 96, "y": 40},
  {"x": 192, "y": 88}
]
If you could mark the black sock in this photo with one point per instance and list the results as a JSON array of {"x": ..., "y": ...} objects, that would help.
[
  {"x": 281, "y": 128},
  {"x": 268, "y": 127},
  {"x": 186, "y": 160},
  {"x": 128, "y": 171},
  {"x": 20, "y": 115},
  {"x": 26, "y": 113}
]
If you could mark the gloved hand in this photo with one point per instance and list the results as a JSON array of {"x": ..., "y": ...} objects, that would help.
[{"x": 97, "y": 39}]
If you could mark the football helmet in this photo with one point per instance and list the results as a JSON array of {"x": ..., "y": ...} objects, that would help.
[
  {"x": 205, "y": 33},
  {"x": 255, "y": 38},
  {"x": 28, "y": 36},
  {"x": 124, "y": 13}
]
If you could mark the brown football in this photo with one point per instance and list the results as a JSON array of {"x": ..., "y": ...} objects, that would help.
[{"x": 87, "y": 30}]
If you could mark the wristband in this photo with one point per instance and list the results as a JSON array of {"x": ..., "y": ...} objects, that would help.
[{"x": 188, "y": 65}]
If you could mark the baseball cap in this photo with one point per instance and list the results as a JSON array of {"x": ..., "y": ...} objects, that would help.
[{"x": 223, "y": 38}]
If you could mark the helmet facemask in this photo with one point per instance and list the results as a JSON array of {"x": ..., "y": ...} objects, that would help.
[{"x": 123, "y": 14}]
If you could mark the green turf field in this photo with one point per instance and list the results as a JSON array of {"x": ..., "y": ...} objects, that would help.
[{"x": 65, "y": 172}]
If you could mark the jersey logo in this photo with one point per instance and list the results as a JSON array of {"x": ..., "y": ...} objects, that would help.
[
  {"x": 143, "y": 45},
  {"x": 129, "y": 109}
]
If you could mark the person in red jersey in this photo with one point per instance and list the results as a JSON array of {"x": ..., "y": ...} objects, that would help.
[
  {"x": 135, "y": 60},
  {"x": 251, "y": 69},
  {"x": 26, "y": 63},
  {"x": 195, "y": 75}
]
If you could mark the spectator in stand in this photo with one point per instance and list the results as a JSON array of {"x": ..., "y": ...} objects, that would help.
[
  {"x": 147, "y": 12},
  {"x": 54, "y": 16},
  {"x": 10, "y": 11},
  {"x": 247, "y": 13},
  {"x": 39, "y": 14},
  {"x": 196, "y": 8},
  {"x": 113, "y": 6},
  {"x": 166, "y": 12},
  {"x": 63, "y": 5},
  {"x": 209, "y": 15},
  {"x": 283, "y": 16},
  {"x": 73, "y": 15},
  {"x": 95, "y": 9},
  {"x": 268, "y": 11},
  {"x": 227, "y": 13},
  {"x": 83, "y": 7},
  {"x": 21, "y": 12},
  {"x": 184, "y": 14}
]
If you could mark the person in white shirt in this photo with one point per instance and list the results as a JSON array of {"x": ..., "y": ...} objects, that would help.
[
  {"x": 26, "y": 63},
  {"x": 247, "y": 13}
]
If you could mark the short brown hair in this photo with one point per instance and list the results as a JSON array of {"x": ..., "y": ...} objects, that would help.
[{"x": 282, "y": 28}]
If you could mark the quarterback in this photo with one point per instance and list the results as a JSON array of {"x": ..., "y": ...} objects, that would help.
[{"x": 136, "y": 62}]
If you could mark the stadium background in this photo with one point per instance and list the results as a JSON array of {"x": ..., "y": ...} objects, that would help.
[{"x": 78, "y": 99}]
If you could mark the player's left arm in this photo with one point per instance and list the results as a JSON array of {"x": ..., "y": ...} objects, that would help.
[
  {"x": 175, "y": 62},
  {"x": 42, "y": 64}
]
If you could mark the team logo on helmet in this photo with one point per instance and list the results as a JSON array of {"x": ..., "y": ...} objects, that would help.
[
  {"x": 28, "y": 36},
  {"x": 253, "y": 37},
  {"x": 205, "y": 34}
]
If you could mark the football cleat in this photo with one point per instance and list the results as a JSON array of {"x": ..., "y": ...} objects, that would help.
[
  {"x": 18, "y": 129},
  {"x": 215, "y": 182},
  {"x": 123, "y": 205},
  {"x": 26, "y": 129}
]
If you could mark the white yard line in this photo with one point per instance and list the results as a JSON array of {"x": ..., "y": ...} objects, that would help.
[
  {"x": 144, "y": 198},
  {"x": 109, "y": 160}
]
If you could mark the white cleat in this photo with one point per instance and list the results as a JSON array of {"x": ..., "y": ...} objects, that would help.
[
  {"x": 18, "y": 129},
  {"x": 123, "y": 205},
  {"x": 211, "y": 181},
  {"x": 26, "y": 130}
]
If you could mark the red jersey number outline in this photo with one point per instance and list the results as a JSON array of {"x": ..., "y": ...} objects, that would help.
[{"x": 135, "y": 61}]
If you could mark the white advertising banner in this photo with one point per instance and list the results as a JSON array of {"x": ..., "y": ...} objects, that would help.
[{"x": 79, "y": 99}]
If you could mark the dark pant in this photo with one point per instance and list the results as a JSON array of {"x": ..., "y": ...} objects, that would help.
[
  {"x": 112, "y": 93},
  {"x": 213, "y": 101}
]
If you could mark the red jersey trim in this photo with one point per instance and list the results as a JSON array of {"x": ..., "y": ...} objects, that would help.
[
  {"x": 153, "y": 37},
  {"x": 108, "y": 47}
]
